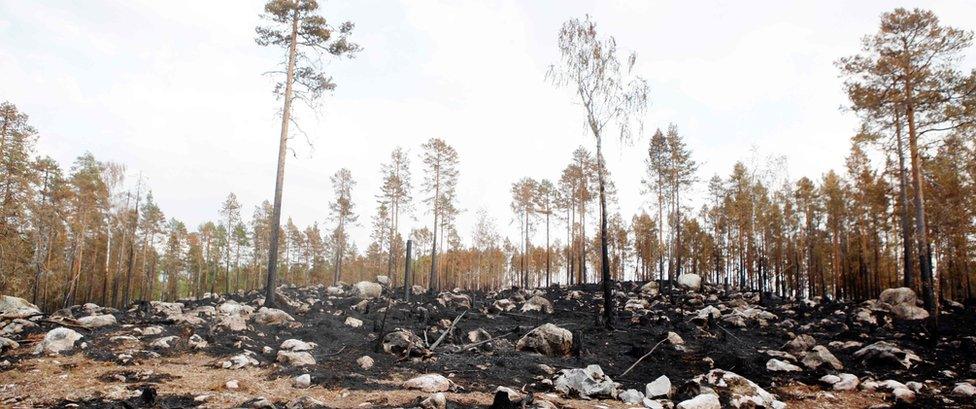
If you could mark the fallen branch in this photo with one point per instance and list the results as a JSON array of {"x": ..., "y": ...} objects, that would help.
[
  {"x": 480, "y": 343},
  {"x": 448, "y": 331},
  {"x": 642, "y": 357},
  {"x": 66, "y": 324}
]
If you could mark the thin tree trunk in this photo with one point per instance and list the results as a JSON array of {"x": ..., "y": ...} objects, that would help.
[{"x": 280, "y": 176}]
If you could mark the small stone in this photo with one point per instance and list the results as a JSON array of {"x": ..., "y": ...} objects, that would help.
[
  {"x": 964, "y": 389},
  {"x": 776, "y": 365},
  {"x": 354, "y": 322},
  {"x": 232, "y": 384},
  {"x": 847, "y": 382},
  {"x": 303, "y": 381},
  {"x": 365, "y": 362},
  {"x": 704, "y": 401}
]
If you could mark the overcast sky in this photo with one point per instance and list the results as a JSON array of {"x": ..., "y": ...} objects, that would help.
[{"x": 174, "y": 90}]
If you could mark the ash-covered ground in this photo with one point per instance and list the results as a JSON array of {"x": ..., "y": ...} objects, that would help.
[{"x": 365, "y": 346}]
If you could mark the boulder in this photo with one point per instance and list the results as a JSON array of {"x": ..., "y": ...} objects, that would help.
[
  {"x": 452, "y": 299},
  {"x": 334, "y": 291},
  {"x": 233, "y": 322},
  {"x": 57, "y": 340},
  {"x": 964, "y": 389},
  {"x": 367, "y": 289},
  {"x": 7, "y": 344},
  {"x": 659, "y": 387},
  {"x": 239, "y": 361},
  {"x": 776, "y": 365},
  {"x": 383, "y": 280},
  {"x": 800, "y": 344},
  {"x": 538, "y": 303},
  {"x": 231, "y": 307},
  {"x": 739, "y": 391},
  {"x": 820, "y": 355},
  {"x": 846, "y": 382},
  {"x": 909, "y": 312},
  {"x": 689, "y": 282},
  {"x": 97, "y": 321},
  {"x": 548, "y": 340},
  {"x": 434, "y": 401},
  {"x": 585, "y": 382},
  {"x": 896, "y": 296},
  {"x": 404, "y": 343},
  {"x": 631, "y": 396},
  {"x": 429, "y": 383},
  {"x": 885, "y": 352},
  {"x": 503, "y": 305},
  {"x": 297, "y": 345},
  {"x": 703, "y": 401},
  {"x": 272, "y": 316},
  {"x": 293, "y": 358},
  {"x": 15, "y": 307},
  {"x": 650, "y": 289},
  {"x": 164, "y": 342}
]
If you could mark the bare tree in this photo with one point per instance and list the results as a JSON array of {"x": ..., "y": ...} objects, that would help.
[{"x": 612, "y": 96}]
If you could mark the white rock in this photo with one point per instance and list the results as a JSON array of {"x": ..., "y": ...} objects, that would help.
[
  {"x": 903, "y": 395},
  {"x": 743, "y": 392},
  {"x": 57, "y": 340},
  {"x": 196, "y": 342},
  {"x": 776, "y": 365},
  {"x": 512, "y": 394},
  {"x": 537, "y": 303},
  {"x": 239, "y": 361},
  {"x": 630, "y": 396},
  {"x": 690, "y": 282},
  {"x": 367, "y": 289},
  {"x": 434, "y": 401},
  {"x": 964, "y": 389},
  {"x": 233, "y": 322},
  {"x": 232, "y": 384},
  {"x": 297, "y": 345},
  {"x": 97, "y": 321},
  {"x": 846, "y": 382},
  {"x": 292, "y": 358},
  {"x": 429, "y": 383},
  {"x": 303, "y": 381},
  {"x": 652, "y": 404},
  {"x": 272, "y": 316},
  {"x": 548, "y": 340},
  {"x": 164, "y": 342},
  {"x": 659, "y": 387},
  {"x": 365, "y": 362},
  {"x": 901, "y": 295},
  {"x": 820, "y": 355},
  {"x": 14, "y": 307},
  {"x": 675, "y": 339},
  {"x": 354, "y": 322},
  {"x": 585, "y": 382},
  {"x": 704, "y": 401},
  {"x": 885, "y": 351}
]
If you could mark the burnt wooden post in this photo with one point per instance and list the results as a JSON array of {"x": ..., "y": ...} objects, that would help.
[{"x": 406, "y": 274}]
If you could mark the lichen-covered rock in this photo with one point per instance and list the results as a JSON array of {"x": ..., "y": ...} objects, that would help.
[
  {"x": 293, "y": 358},
  {"x": 585, "y": 382},
  {"x": 738, "y": 391},
  {"x": 15, "y": 307},
  {"x": 367, "y": 289},
  {"x": 886, "y": 352},
  {"x": 538, "y": 303},
  {"x": 57, "y": 340},
  {"x": 429, "y": 383},
  {"x": 689, "y": 282},
  {"x": 403, "y": 343},
  {"x": 97, "y": 321},
  {"x": 548, "y": 340},
  {"x": 272, "y": 316}
]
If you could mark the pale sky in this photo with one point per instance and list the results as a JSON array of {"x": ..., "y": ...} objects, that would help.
[{"x": 174, "y": 90}]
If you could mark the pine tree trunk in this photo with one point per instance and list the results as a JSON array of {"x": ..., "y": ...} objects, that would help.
[{"x": 280, "y": 176}]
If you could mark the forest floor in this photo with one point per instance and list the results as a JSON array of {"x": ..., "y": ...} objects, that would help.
[{"x": 123, "y": 365}]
